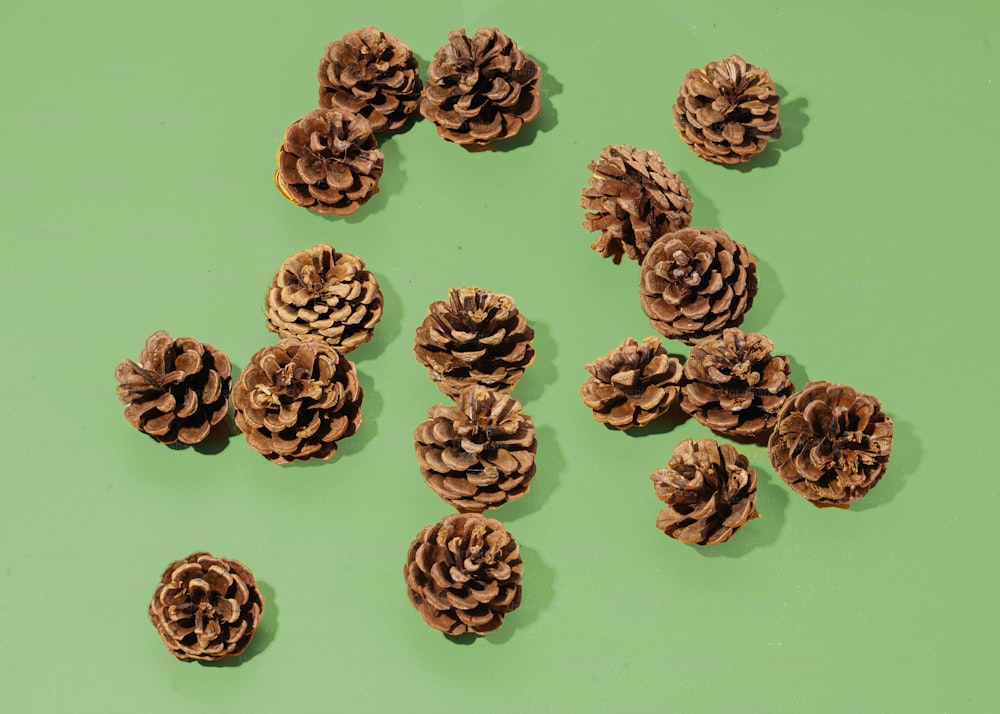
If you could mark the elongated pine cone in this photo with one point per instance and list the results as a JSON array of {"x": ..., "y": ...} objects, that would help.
[
  {"x": 734, "y": 385},
  {"x": 463, "y": 574},
  {"x": 728, "y": 111},
  {"x": 206, "y": 608},
  {"x": 633, "y": 384},
  {"x": 371, "y": 73},
  {"x": 322, "y": 294},
  {"x": 481, "y": 89},
  {"x": 710, "y": 491},
  {"x": 831, "y": 444},
  {"x": 329, "y": 162},
  {"x": 478, "y": 453},
  {"x": 179, "y": 389},
  {"x": 696, "y": 282},
  {"x": 296, "y": 399},
  {"x": 474, "y": 337},
  {"x": 633, "y": 199}
]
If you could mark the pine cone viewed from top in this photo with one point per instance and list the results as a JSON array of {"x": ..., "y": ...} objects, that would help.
[
  {"x": 734, "y": 385},
  {"x": 371, "y": 73},
  {"x": 831, "y": 443},
  {"x": 481, "y": 89},
  {"x": 696, "y": 282},
  {"x": 322, "y": 294},
  {"x": 633, "y": 384},
  {"x": 178, "y": 391},
  {"x": 329, "y": 162},
  {"x": 463, "y": 574},
  {"x": 633, "y": 199},
  {"x": 727, "y": 112}
]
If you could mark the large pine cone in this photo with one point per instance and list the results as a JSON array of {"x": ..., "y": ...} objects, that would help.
[
  {"x": 206, "y": 608},
  {"x": 479, "y": 453},
  {"x": 371, "y": 73},
  {"x": 475, "y": 337},
  {"x": 633, "y": 384},
  {"x": 322, "y": 294},
  {"x": 296, "y": 399},
  {"x": 735, "y": 386},
  {"x": 481, "y": 89},
  {"x": 634, "y": 199},
  {"x": 728, "y": 111},
  {"x": 463, "y": 574},
  {"x": 710, "y": 491},
  {"x": 696, "y": 282},
  {"x": 329, "y": 162},
  {"x": 178, "y": 391},
  {"x": 831, "y": 444}
]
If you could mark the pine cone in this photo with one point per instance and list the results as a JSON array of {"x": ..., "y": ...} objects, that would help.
[
  {"x": 178, "y": 391},
  {"x": 633, "y": 384},
  {"x": 296, "y": 399},
  {"x": 633, "y": 199},
  {"x": 479, "y": 453},
  {"x": 481, "y": 89},
  {"x": 696, "y": 282},
  {"x": 463, "y": 574},
  {"x": 322, "y": 294},
  {"x": 727, "y": 112},
  {"x": 475, "y": 337},
  {"x": 710, "y": 491},
  {"x": 371, "y": 73},
  {"x": 206, "y": 608},
  {"x": 734, "y": 386},
  {"x": 831, "y": 444},
  {"x": 329, "y": 162}
]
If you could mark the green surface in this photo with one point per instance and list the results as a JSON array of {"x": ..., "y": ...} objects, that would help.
[{"x": 138, "y": 149}]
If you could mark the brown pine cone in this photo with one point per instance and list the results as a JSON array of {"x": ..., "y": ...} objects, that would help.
[
  {"x": 475, "y": 337},
  {"x": 696, "y": 282},
  {"x": 463, "y": 574},
  {"x": 734, "y": 385},
  {"x": 634, "y": 199},
  {"x": 633, "y": 384},
  {"x": 322, "y": 294},
  {"x": 481, "y": 89},
  {"x": 206, "y": 608},
  {"x": 727, "y": 112},
  {"x": 296, "y": 399},
  {"x": 478, "y": 453},
  {"x": 178, "y": 391},
  {"x": 371, "y": 73},
  {"x": 329, "y": 162},
  {"x": 710, "y": 490},
  {"x": 831, "y": 444}
]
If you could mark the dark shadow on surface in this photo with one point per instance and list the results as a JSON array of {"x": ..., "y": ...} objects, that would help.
[
  {"x": 387, "y": 329},
  {"x": 538, "y": 592},
  {"x": 793, "y": 118},
  {"x": 265, "y": 631},
  {"x": 550, "y": 464},
  {"x": 772, "y": 500},
  {"x": 904, "y": 461},
  {"x": 389, "y": 184},
  {"x": 545, "y": 121},
  {"x": 704, "y": 213},
  {"x": 218, "y": 438},
  {"x": 466, "y": 638},
  {"x": 541, "y": 372},
  {"x": 663, "y": 424},
  {"x": 798, "y": 374},
  {"x": 765, "y": 303}
]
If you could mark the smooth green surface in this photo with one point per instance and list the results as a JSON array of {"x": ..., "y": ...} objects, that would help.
[{"x": 138, "y": 148}]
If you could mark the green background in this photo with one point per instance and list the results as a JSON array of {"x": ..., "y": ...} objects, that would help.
[{"x": 138, "y": 151}]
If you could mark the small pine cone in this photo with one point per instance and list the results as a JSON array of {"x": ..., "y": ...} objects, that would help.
[
  {"x": 727, "y": 112},
  {"x": 633, "y": 384},
  {"x": 474, "y": 337},
  {"x": 634, "y": 199},
  {"x": 734, "y": 385},
  {"x": 322, "y": 294},
  {"x": 206, "y": 608},
  {"x": 463, "y": 574},
  {"x": 371, "y": 73},
  {"x": 696, "y": 282},
  {"x": 329, "y": 162},
  {"x": 296, "y": 399},
  {"x": 479, "y": 453},
  {"x": 710, "y": 490},
  {"x": 831, "y": 444},
  {"x": 481, "y": 89},
  {"x": 178, "y": 391}
]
